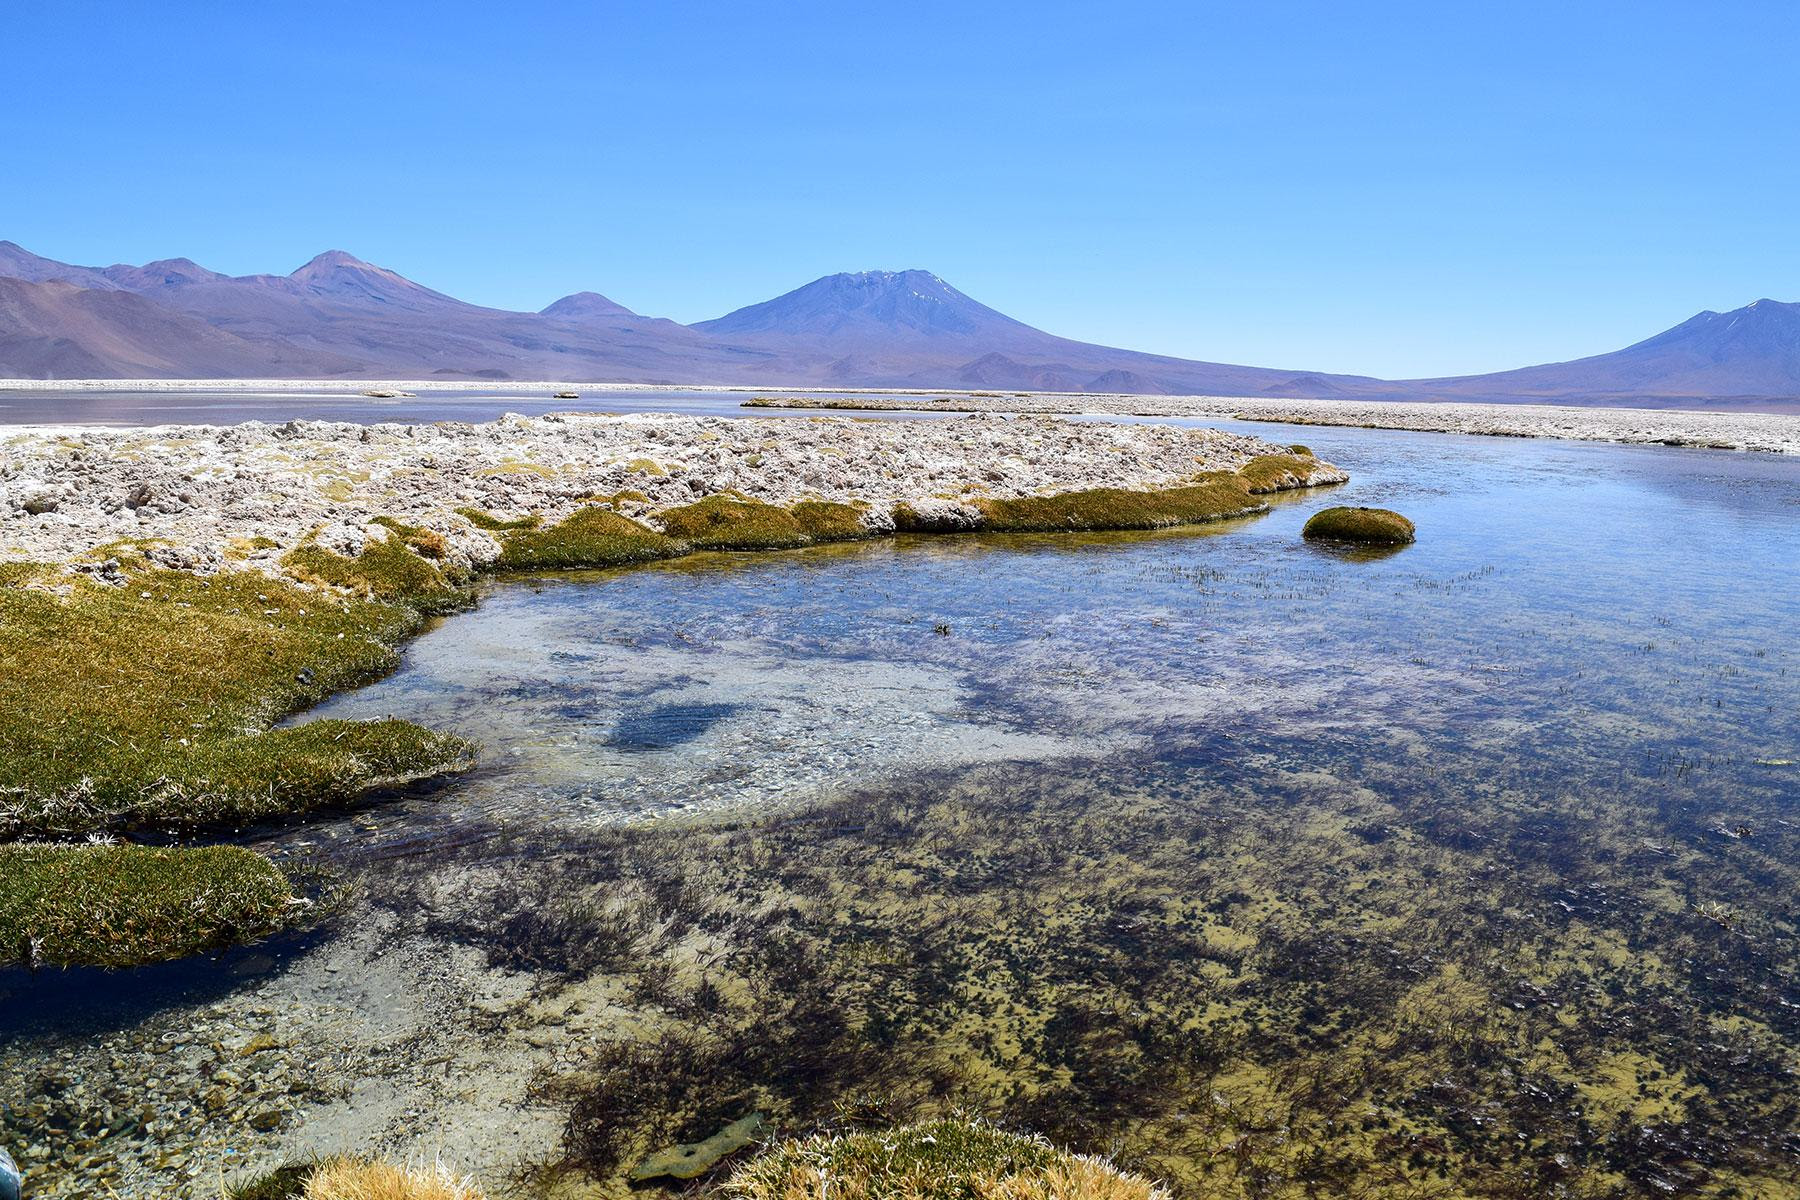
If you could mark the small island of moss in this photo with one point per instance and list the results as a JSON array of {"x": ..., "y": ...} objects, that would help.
[{"x": 1364, "y": 526}]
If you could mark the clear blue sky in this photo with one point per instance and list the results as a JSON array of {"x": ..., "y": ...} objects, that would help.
[{"x": 1391, "y": 188}]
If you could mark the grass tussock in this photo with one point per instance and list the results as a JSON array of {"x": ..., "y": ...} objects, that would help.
[
  {"x": 589, "y": 537},
  {"x": 1213, "y": 499},
  {"x": 353, "y": 1179},
  {"x": 123, "y": 906},
  {"x": 724, "y": 522},
  {"x": 949, "y": 1159},
  {"x": 149, "y": 705},
  {"x": 1366, "y": 526}
]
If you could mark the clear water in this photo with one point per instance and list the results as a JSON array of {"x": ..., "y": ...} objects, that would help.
[{"x": 1571, "y": 711}]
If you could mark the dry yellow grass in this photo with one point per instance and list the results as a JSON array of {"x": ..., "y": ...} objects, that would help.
[{"x": 351, "y": 1179}]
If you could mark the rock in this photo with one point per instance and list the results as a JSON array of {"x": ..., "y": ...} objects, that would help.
[
  {"x": 39, "y": 500},
  {"x": 12, "y": 1184},
  {"x": 696, "y": 1158},
  {"x": 568, "y": 395}
]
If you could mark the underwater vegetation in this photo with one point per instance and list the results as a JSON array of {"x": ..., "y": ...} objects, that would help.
[
  {"x": 1372, "y": 526},
  {"x": 946, "y": 1159},
  {"x": 1243, "y": 979}
]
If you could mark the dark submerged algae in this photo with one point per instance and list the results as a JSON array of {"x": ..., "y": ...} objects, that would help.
[
  {"x": 947, "y": 1159},
  {"x": 1248, "y": 982}
]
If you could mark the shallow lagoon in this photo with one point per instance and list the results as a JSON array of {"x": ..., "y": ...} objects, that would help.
[{"x": 1462, "y": 870}]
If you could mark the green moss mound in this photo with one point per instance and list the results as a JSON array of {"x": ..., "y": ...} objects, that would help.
[
  {"x": 951, "y": 1159},
  {"x": 1365, "y": 526},
  {"x": 140, "y": 706},
  {"x": 123, "y": 906},
  {"x": 725, "y": 522},
  {"x": 589, "y": 537},
  {"x": 493, "y": 524},
  {"x": 1277, "y": 472},
  {"x": 823, "y": 521},
  {"x": 1117, "y": 508},
  {"x": 398, "y": 570}
]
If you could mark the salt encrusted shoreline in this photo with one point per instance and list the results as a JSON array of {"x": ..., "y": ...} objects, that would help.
[
  {"x": 1772, "y": 432},
  {"x": 1777, "y": 433},
  {"x": 204, "y": 492}
]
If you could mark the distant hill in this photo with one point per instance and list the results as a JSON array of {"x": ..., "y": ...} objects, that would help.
[
  {"x": 57, "y": 330},
  {"x": 911, "y": 329},
  {"x": 1749, "y": 352},
  {"x": 338, "y": 316}
]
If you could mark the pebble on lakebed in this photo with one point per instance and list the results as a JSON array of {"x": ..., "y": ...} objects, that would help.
[{"x": 1369, "y": 526}]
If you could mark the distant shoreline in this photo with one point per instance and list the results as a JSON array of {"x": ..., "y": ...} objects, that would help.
[{"x": 1716, "y": 428}]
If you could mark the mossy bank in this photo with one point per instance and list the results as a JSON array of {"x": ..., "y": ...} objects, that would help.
[{"x": 137, "y": 698}]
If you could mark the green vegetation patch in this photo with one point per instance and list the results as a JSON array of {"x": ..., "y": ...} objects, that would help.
[
  {"x": 1118, "y": 508},
  {"x": 950, "y": 1159},
  {"x": 493, "y": 524},
  {"x": 398, "y": 570},
  {"x": 286, "y": 1182},
  {"x": 1369, "y": 526},
  {"x": 725, "y": 522},
  {"x": 1277, "y": 472},
  {"x": 122, "y": 906},
  {"x": 149, "y": 705},
  {"x": 589, "y": 537},
  {"x": 823, "y": 521}
]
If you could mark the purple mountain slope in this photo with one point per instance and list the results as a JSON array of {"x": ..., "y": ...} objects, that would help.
[
  {"x": 337, "y": 316},
  {"x": 52, "y": 330},
  {"x": 911, "y": 329},
  {"x": 1752, "y": 351}
]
